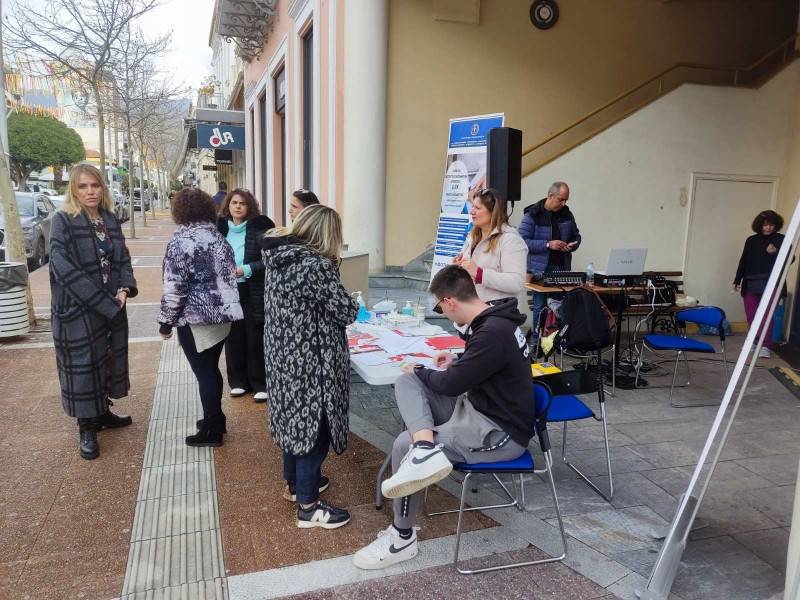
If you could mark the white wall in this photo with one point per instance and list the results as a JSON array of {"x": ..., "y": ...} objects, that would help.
[{"x": 631, "y": 185}]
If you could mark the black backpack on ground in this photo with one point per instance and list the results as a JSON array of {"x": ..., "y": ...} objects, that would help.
[{"x": 590, "y": 324}]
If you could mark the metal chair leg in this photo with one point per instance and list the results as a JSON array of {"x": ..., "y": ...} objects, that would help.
[
  {"x": 381, "y": 471},
  {"x": 590, "y": 483},
  {"x": 674, "y": 375},
  {"x": 549, "y": 462}
]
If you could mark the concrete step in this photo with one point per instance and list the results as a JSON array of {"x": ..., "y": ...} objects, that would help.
[{"x": 415, "y": 280}]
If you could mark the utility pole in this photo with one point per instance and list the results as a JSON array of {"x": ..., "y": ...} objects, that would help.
[
  {"x": 14, "y": 238},
  {"x": 3, "y": 116}
]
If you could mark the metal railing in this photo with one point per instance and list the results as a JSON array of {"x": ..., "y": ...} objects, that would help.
[{"x": 652, "y": 89}]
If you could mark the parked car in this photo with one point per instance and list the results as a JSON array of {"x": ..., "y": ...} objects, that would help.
[
  {"x": 137, "y": 199},
  {"x": 35, "y": 214},
  {"x": 58, "y": 201}
]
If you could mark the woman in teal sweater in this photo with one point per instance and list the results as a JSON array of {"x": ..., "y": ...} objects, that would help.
[{"x": 243, "y": 226}]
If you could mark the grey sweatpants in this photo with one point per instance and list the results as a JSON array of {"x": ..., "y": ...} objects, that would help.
[{"x": 466, "y": 434}]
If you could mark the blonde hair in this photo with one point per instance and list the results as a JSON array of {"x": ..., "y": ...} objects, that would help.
[
  {"x": 492, "y": 201},
  {"x": 320, "y": 228},
  {"x": 72, "y": 205}
]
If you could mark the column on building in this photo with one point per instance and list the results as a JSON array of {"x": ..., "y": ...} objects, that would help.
[{"x": 364, "y": 127}]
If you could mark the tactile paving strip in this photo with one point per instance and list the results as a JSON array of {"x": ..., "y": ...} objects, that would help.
[{"x": 176, "y": 544}]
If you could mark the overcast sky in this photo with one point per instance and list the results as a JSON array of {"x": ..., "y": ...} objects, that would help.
[{"x": 190, "y": 21}]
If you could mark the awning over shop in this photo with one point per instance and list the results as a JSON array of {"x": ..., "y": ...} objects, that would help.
[{"x": 246, "y": 23}]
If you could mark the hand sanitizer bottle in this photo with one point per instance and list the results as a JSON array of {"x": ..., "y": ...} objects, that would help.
[
  {"x": 362, "y": 315},
  {"x": 408, "y": 309}
]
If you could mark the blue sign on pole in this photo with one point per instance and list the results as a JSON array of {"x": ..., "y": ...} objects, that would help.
[{"x": 225, "y": 137}]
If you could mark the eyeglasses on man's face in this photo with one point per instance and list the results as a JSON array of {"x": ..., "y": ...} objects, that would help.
[{"x": 438, "y": 307}]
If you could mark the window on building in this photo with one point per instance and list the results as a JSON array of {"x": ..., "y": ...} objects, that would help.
[
  {"x": 262, "y": 144},
  {"x": 280, "y": 114},
  {"x": 252, "y": 164},
  {"x": 308, "y": 110}
]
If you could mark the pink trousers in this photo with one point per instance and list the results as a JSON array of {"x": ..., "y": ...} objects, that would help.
[{"x": 751, "y": 301}]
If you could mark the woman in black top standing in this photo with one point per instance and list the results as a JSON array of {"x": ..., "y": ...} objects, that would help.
[
  {"x": 243, "y": 226},
  {"x": 758, "y": 258}
]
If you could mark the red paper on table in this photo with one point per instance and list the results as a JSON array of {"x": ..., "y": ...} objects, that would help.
[
  {"x": 359, "y": 339},
  {"x": 445, "y": 342}
]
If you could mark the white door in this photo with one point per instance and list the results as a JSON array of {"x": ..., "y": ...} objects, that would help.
[{"x": 722, "y": 212}]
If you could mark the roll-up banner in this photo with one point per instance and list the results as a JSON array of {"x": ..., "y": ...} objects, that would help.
[{"x": 465, "y": 170}]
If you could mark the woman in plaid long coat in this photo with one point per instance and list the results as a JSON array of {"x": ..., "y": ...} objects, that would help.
[{"x": 91, "y": 278}]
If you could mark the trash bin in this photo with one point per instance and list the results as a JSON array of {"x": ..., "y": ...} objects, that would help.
[{"x": 13, "y": 299}]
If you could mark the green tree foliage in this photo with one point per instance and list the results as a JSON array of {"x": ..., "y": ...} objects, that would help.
[{"x": 36, "y": 142}]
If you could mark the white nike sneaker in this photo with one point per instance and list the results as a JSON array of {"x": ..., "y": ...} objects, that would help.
[
  {"x": 388, "y": 549},
  {"x": 419, "y": 468},
  {"x": 237, "y": 392}
]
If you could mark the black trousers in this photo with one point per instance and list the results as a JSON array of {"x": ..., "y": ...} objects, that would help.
[
  {"x": 205, "y": 366},
  {"x": 244, "y": 348}
]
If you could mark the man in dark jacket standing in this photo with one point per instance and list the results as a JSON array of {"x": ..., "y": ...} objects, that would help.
[
  {"x": 222, "y": 191},
  {"x": 473, "y": 408},
  {"x": 551, "y": 234}
]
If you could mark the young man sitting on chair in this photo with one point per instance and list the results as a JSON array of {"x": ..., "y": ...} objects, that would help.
[{"x": 478, "y": 408}]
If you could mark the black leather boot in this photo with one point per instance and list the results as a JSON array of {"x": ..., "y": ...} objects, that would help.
[
  {"x": 88, "y": 436},
  {"x": 112, "y": 421},
  {"x": 224, "y": 424},
  {"x": 209, "y": 434}
]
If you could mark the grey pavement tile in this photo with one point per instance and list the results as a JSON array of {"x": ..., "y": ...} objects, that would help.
[
  {"x": 587, "y": 437},
  {"x": 780, "y": 470},
  {"x": 664, "y": 431},
  {"x": 724, "y": 513},
  {"x": 593, "y": 462},
  {"x": 770, "y": 545},
  {"x": 728, "y": 476},
  {"x": 719, "y": 568},
  {"x": 634, "y": 489},
  {"x": 765, "y": 443},
  {"x": 574, "y": 498},
  {"x": 722, "y": 568},
  {"x": 775, "y": 502},
  {"x": 677, "y": 454},
  {"x": 614, "y": 531}
]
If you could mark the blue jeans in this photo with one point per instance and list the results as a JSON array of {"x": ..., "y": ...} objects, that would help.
[{"x": 304, "y": 472}]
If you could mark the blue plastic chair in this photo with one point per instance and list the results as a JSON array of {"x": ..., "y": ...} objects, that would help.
[
  {"x": 566, "y": 407},
  {"x": 711, "y": 316},
  {"x": 523, "y": 465}
]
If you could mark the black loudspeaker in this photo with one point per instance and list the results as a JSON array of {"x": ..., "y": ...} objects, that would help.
[{"x": 504, "y": 162}]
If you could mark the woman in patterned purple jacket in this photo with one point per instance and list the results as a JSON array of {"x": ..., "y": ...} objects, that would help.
[{"x": 200, "y": 299}]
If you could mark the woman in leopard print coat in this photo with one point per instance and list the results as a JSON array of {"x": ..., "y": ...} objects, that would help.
[{"x": 306, "y": 311}]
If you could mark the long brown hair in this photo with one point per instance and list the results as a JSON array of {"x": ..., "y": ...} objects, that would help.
[{"x": 494, "y": 202}]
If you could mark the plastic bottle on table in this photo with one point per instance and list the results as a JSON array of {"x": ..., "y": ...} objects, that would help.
[
  {"x": 362, "y": 315},
  {"x": 590, "y": 273},
  {"x": 408, "y": 309}
]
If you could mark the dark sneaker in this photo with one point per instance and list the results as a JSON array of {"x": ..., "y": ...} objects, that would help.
[
  {"x": 322, "y": 515},
  {"x": 289, "y": 492}
]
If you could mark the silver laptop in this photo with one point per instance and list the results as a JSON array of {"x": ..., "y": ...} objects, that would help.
[{"x": 625, "y": 261}]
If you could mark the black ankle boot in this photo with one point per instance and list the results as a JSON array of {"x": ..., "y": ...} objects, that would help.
[
  {"x": 112, "y": 421},
  {"x": 209, "y": 433},
  {"x": 224, "y": 424},
  {"x": 88, "y": 436}
]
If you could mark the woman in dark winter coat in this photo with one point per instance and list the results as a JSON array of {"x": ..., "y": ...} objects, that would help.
[
  {"x": 755, "y": 265},
  {"x": 244, "y": 228},
  {"x": 306, "y": 311},
  {"x": 200, "y": 299},
  {"x": 91, "y": 279}
]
